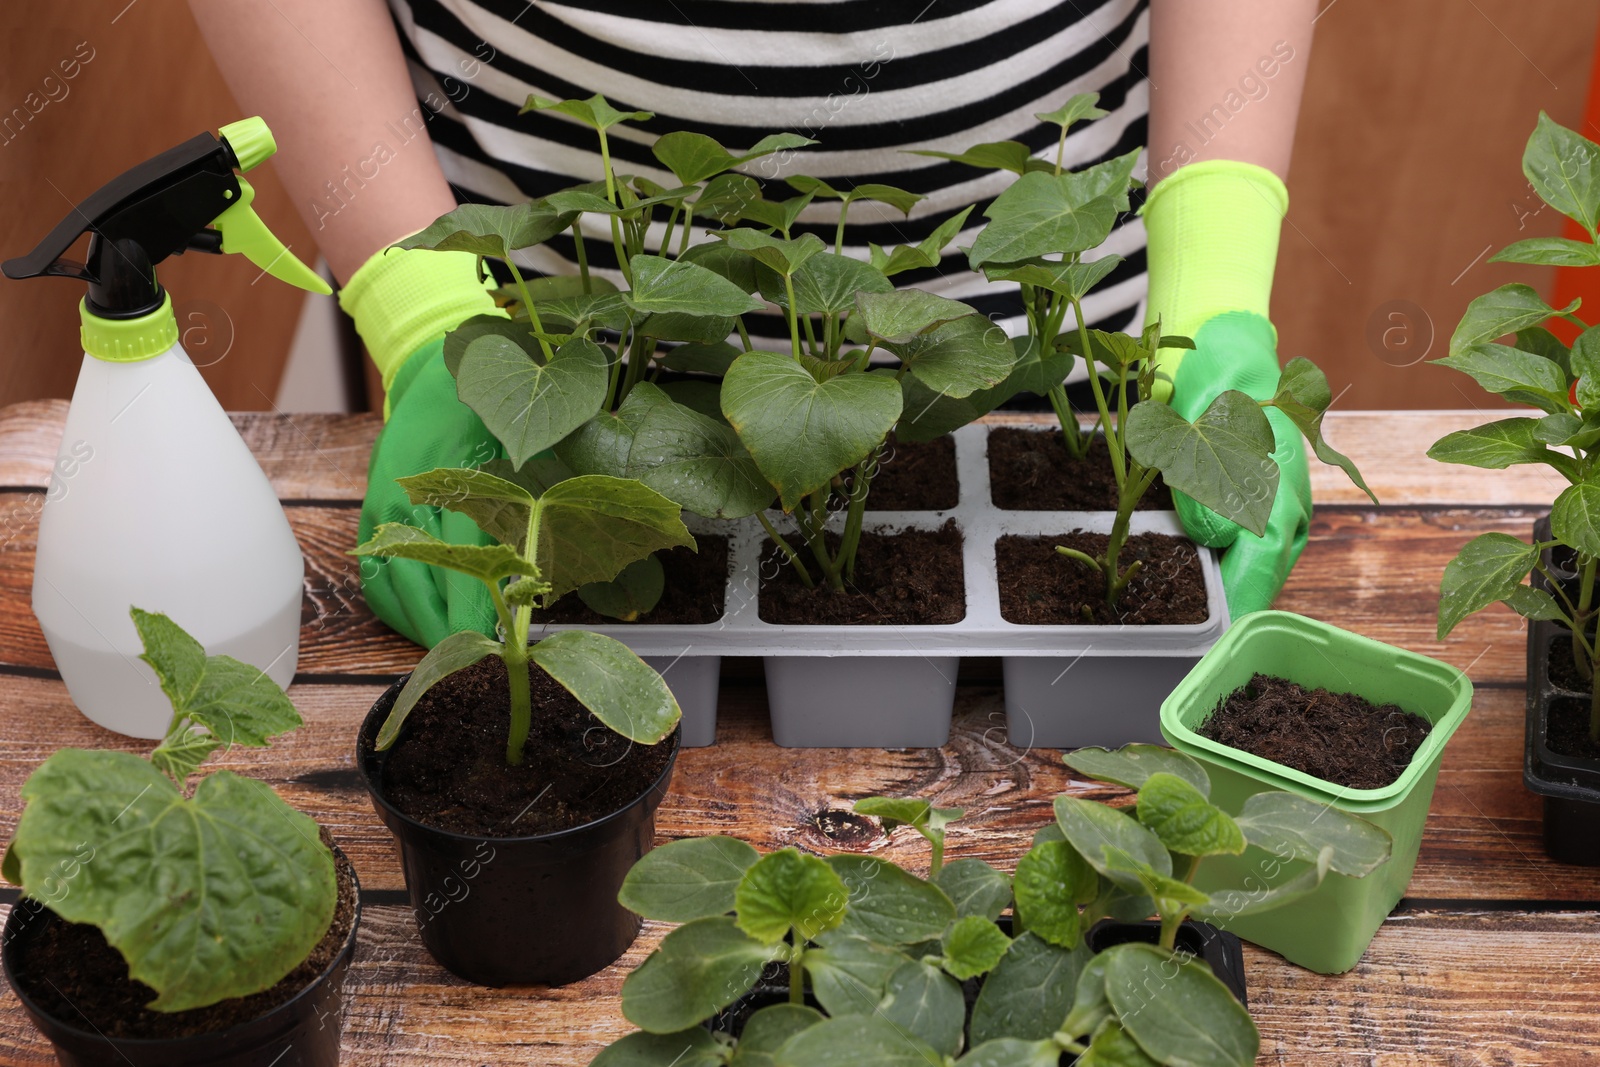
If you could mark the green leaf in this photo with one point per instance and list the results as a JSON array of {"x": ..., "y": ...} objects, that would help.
[
  {"x": 1132, "y": 765},
  {"x": 802, "y": 432},
  {"x": 777, "y": 215},
  {"x": 499, "y": 507},
  {"x": 827, "y": 284},
  {"x": 1009, "y": 1052},
  {"x": 1502, "y": 369},
  {"x": 1114, "y": 350},
  {"x": 927, "y": 414},
  {"x": 768, "y": 1030},
  {"x": 594, "y": 525},
  {"x": 694, "y": 157},
  {"x": 595, "y": 112},
  {"x": 1177, "y": 1010},
  {"x": 633, "y": 592},
  {"x": 1487, "y": 569},
  {"x": 995, "y": 155},
  {"x": 1224, "y": 906},
  {"x": 923, "y": 1001},
  {"x": 699, "y": 969},
  {"x": 456, "y": 652},
  {"x": 1584, "y": 360},
  {"x": 235, "y": 701},
  {"x": 901, "y": 315},
  {"x": 960, "y": 358},
  {"x": 856, "y": 1041},
  {"x": 1505, "y": 310},
  {"x": 1051, "y": 883},
  {"x": 664, "y": 285},
  {"x": 1170, "y": 898},
  {"x": 491, "y": 230},
  {"x": 487, "y": 563},
  {"x": 1112, "y": 1047},
  {"x": 789, "y": 890},
  {"x": 619, "y": 688},
  {"x": 1036, "y": 371},
  {"x": 1039, "y": 215},
  {"x": 681, "y": 881},
  {"x": 1549, "y": 251},
  {"x": 1499, "y": 445},
  {"x": 783, "y": 256},
  {"x": 1541, "y": 342},
  {"x": 691, "y": 1047},
  {"x": 1028, "y": 994},
  {"x": 208, "y": 897},
  {"x": 925, "y": 253},
  {"x": 712, "y": 359},
  {"x": 1303, "y": 395},
  {"x": 1090, "y": 1006},
  {"x": 848, "y": 974},
  {"x": 1290, "y": 825},
  {"x": 890, "y": 905},
  {"x": 908, "y": 811},
  {"x": 1078, "y": 107},
  {"x": 1222, "y": 460},
  {"x": 1073, "y": 280},
  {"x": 1185, "y": 821},
  {"x": 528, "y": 405},
  {"x": 1104, "y": 835},
  {"x": 725, "y": 200},
  {"x": 972, "y": 946},
  {"x": 178, "y": 756},
  {"x": 1575, "y": 517},
  {"x": 1109, "y": 179},
  {"x": 975, "y": 888},
  {"x": 1564, "y": 167},
  {"x": 1570, "y": 431},
  {"x": 1536, "y": 604}
]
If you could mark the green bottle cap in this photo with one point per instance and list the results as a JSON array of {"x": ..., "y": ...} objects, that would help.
[{"x": 250, "y": 140}]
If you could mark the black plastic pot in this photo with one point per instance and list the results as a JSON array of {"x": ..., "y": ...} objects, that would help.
[
  {"x": 518, "y": 910},
  {"x": 1570, "y": 785},
  {"x": 303, "y": 1031}
]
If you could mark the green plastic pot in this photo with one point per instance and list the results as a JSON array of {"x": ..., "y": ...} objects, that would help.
[{"x": 1328, "y": 930}]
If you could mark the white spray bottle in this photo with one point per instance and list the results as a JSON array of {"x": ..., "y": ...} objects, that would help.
[{"x": 156, "y": 501}]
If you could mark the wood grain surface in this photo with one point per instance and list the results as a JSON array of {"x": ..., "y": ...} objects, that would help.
[{"x": 1492, "y": 959}]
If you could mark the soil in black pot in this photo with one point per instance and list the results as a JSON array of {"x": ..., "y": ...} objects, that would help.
[
  {"x": 1030, "y": 470},
  {"x": 697, "y": 583},
  {"x": 915, "y": 476},
  {"x": 73, "y": 974},
  {"x": 1041, "y": 587},
  {"x": 909, "y": 578},
  {"x": 449, "y": 770},
  {"x": 1338, "y": 737}
]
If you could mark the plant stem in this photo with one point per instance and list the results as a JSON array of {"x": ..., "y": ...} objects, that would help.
[
  {"x": 1132, "y": 487},
  {"x": 838, "y": 235},
  {"x": 936, "y": 859},
  {"x": 583, "y": 254},
  {"x": 639, "y": 348},
  {"x": 794, "y": 326},
  {"x": 797, "y": 974},
  {"x": 516, "y": 660},
  {"x": 1169, "y": 930},
  {"x": 811, "y": 336},
  {"x": 1081, "y": 557},
  {"x": 1113, "y": 434},
  {"x": 789, "y": 553},
  {"x": 744, "y": 335},
  {"x": 666, "y": 236},
  {"x": 1585, "y": 660},
  {"x": 1072, "y": 436},
  {"x": 533, "y": 315},
  {"x": 858, "y": 505}
]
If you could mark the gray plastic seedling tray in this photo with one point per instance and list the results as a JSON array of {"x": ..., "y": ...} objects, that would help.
[{"x": 894, "y": 686}]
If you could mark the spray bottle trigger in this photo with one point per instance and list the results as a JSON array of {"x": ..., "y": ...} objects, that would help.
[{"x": 244, "y": 232}]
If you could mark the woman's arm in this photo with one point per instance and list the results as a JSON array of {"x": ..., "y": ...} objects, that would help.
[
  {"x": 1225, "y": 81},
  {"x": 331, "y": 81}
]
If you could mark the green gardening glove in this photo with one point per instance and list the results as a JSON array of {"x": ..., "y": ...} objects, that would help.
[
  {"x": 1213, "y": 244},
  {"x": 403, "y": 303}
]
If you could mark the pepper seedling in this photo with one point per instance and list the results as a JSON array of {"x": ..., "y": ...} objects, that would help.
[
  {"x": 209, "y": 893},
  {"x": 549, "y": 540},
  {"x": 1563, "y": 383},
  {"x": 875, "y": 955}
]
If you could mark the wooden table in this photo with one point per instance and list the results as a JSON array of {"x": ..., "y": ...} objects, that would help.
[{"x": 1493, "y": 958}]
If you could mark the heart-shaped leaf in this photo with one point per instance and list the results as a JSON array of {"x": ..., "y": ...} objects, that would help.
[
  {"x": 1078, "y": 107},
  {"x": 500, "y": 508},
  {"x": 922, "y": 1001},
  {"x": 902, "y": 315},
  {"x": 960, "y": 358},
  {"x": 972, "y": 946},
  {"x": 995, "y": 155},
  {"x": 694, "y": 157},
  {"x": 826, "y": 284},
  {"x": 595, "y": 112},
  {"x": 663, "y": 285},
  {"x": 1132, "y": 765},
  {"x": 1051, "y": 883},
  {"x": 1223, "y": 460},
  {"x": 975, "y": 888},
  {"x": 635, "y": 590},
  {"x": 781, "y": 255},
  {"x": 1073, "y": 280},
  {"x": 529, "y": 405},
  {"x": 1038, "y": 215},
  {"x": 788, "y": 891},
  {"x": 491, "y": 230}
]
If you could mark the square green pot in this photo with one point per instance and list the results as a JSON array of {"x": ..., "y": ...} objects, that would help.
[{"x": 1330, "y": 929}]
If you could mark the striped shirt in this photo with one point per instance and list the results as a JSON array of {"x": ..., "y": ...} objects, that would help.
[{"x": 867, "y": 79}]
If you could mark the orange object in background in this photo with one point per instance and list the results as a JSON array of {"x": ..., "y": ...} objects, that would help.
[{"x": 1582, "y": 283}]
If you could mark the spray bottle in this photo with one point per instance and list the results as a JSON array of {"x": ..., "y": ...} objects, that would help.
[{"x": 156, "y": 501}]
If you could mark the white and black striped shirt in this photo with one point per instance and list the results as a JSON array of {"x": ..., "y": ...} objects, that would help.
[{"x": 868, "y": 79}]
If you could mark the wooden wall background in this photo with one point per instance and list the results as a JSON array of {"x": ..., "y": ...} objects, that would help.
[{"x": 1405, "y": 173}]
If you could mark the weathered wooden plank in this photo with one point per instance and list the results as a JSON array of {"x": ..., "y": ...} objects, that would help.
[{"x": 1375, "y": 571}]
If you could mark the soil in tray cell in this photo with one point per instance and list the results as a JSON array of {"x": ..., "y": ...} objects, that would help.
[
  {"x": 697, "y": 583},
  {"x": 88, "y": 979},
  {"x": 1041, "y": 587},
  {"x": 910, "y": 578},
  {"x": 1031, "y": 470},
  {"x": 449, "y": 768},
  {"x": 1338, "y": 737},
  {"x": 1567, "y": 728},
  {"x": 915, "y": 476}
]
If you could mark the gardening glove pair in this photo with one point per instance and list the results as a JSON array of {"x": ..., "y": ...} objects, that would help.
[
  {"x": 403, "y": 302},
  {"x": 1213, "y": 243}
]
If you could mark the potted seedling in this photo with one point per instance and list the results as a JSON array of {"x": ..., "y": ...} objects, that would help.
[
  {"x": 173, "y": 917},
  {"x": 1562, "y": 752},
  {"x": 853, "y": 960},
  {"x": 521, "y": 775}
]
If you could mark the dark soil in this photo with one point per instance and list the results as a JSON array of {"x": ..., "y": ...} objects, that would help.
[
  {"x": 1041, "y": 587},
  {"x": 449, "y": 770},
  {"x": 912, "y": 578},
  {"x": 1338, "y": 737},
  {"x": 1031, "y": 470},
  {"x": 696, "y": 585},
  {"x": 70, "y": 971},
  {"x": 1567, "y": 728},
  {"x": 1563, "y": 668},
  {"x": 915, "y": 476}
]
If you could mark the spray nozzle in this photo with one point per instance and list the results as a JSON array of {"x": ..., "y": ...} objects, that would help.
[{"x": 164, "y": 207}]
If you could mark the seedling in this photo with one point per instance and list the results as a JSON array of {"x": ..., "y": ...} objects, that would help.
[
  {"x": 550, "y": 540},
  {"x": 875, "y": 955},
  {"x": 1538, "y": 370},
  {"x": 209, "y": 893}
]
